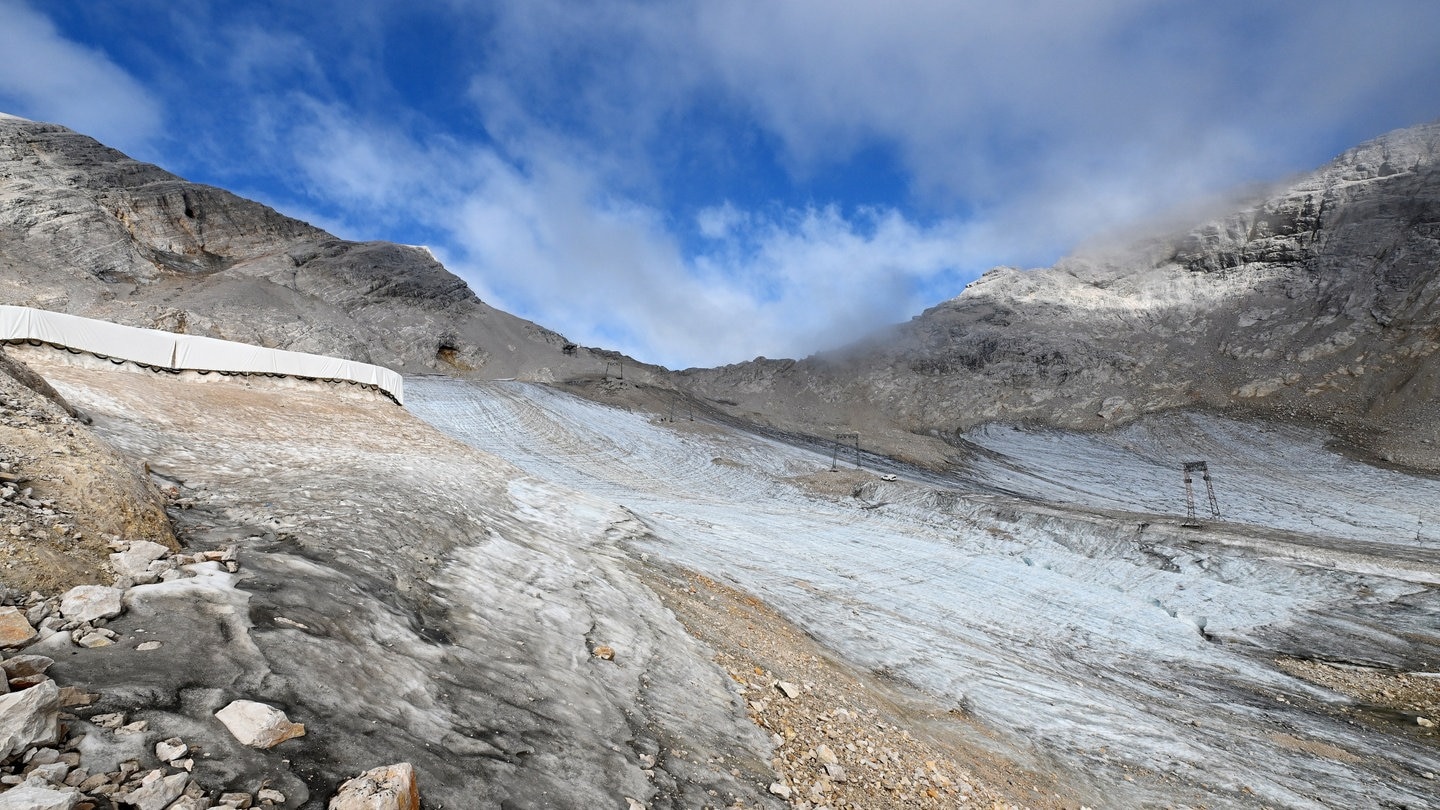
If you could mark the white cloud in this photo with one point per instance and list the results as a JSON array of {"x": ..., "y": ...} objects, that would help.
[
  {"x": 719, "y": 221},
  {"x": 989, "y": 105},
  {"x": 1019, "y": 129},
  {"x": 47, "y": 77},
  {"x": 983, "y": 97},
  {"x": 540, "y": 231},
  {"x": 1040, "y": 123},
  {"x": 552, "y": 245}
]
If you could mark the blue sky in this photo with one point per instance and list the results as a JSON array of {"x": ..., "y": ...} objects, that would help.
[{"x": 702, "y": 182}]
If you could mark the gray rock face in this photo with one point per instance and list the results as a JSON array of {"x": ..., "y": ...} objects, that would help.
[
  {"x": 1315, "y": 300},
  {"x": 29, "y": 718},
  {"x": 86, "y": 230}
]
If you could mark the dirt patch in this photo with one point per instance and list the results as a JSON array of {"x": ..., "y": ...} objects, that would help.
[
  {"x": 1414, "y": 695},
  {"x": 1315, "y": 747},
  {"x": 892, "y": 750},
  {"x": 833, "y": 484},
  {"x": 63, "y": 493}
]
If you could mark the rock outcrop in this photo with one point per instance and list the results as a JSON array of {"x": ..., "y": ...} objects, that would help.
[
  {"x": 87, "y": 230},
  {"x": 1316, "y": 300}
]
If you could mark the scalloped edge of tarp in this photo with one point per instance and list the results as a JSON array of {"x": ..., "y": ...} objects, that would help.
[{"x": 175, "y": 352}]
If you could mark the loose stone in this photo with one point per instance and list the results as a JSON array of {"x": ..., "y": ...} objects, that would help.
[
  {"x": 36, "y": 797},
  {"x": 15, "y": 629},
  {"x": 88, "y": 603},
  {"x": 171, "y": 749},
  {"x": 29, "y": 718},
  {"x": 391, "y": 787},
  {"x": 258, "y": 725},
  {"x": 157, "y": 791}
]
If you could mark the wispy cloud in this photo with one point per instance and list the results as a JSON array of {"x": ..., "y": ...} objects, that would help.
[
  {"x": 47, "y": 77},
  {"x": 542, "y": 234},
  {"x": 552, "y": 241}
]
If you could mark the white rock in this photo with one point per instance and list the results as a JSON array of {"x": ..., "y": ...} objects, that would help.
[
  {"x": 34, "y": 797},
  {"x": 258, "y": 725},
  {"x": 94, "y": 639},
  {"x": 270, "y": 795},
  {"x": 52, "y": 773},
  {"x": 111, "y": 720},
  {"x": 135, "y": 561},
  {"x": 825, "y": 755},
  {"x": 29, "y": 718},
  {"x": 790, "y": 690},
  {"x": 783, "y": 791},
  {"x": 86, "y": 603},
  {"x": 157, "y": 793},
  {"x": 170, "y": 750},
  {"x": 390, "y": 787}
]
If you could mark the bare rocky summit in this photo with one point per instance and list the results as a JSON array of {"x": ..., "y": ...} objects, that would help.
[
  {"x": 1315, "y": 300},
  {"x": 87, "y": 230}
]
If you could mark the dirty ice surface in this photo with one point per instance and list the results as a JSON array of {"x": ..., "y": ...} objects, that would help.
[
  {"x": 406, "y": 598},
  {"x": 1083, "y": 624}
]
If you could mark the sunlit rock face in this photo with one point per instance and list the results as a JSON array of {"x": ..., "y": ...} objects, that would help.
[
  {"x": 87, "y": 230},
  {"x": 1314, "y": 299}
]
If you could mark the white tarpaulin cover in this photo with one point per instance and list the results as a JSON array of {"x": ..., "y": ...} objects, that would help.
[{"x": 188, "y": 352}]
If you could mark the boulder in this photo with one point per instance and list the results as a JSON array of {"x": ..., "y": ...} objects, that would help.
[
  {"x": 20, "y": 666},
  {"x": 29, "y": 718},
  {"x": 390, "y": 787},
  {"x": 35, "y": 797},
  {"x": 134, "y": 562},
  {"x": 86, "y": 603},
  {"x": 15, "y": 629},
  {"x": 157, "y": 791},
  {"x": 258, "y": 725}
]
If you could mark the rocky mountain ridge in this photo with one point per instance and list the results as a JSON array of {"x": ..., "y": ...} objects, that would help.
[
  {"x": 1314, "y": 301},
  {"x": 86, "y": 230},
  {"x": 1311, "y": 301}
]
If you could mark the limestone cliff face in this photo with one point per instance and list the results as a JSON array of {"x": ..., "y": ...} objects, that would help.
[
  {"x": 86, "y": 230},
  {"x": 1317, "y": 300}
]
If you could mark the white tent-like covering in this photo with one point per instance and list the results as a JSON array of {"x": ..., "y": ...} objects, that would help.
[{"x": 167, "y": 350}]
